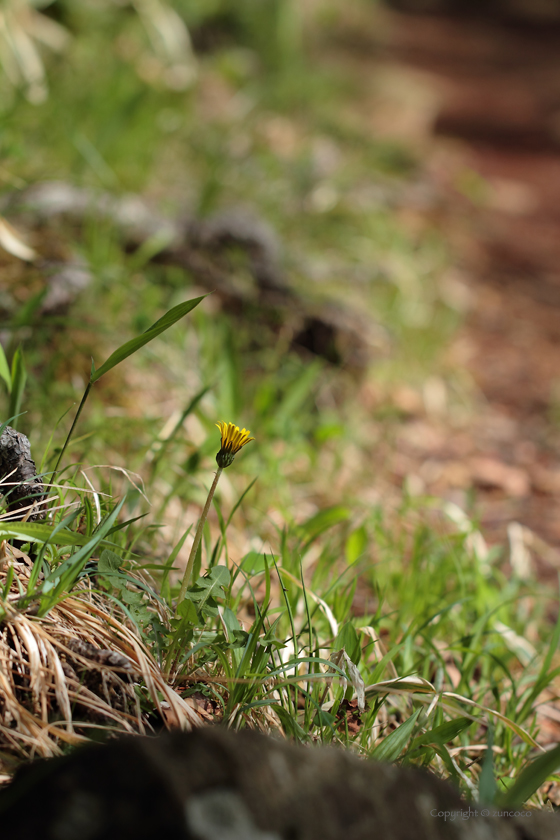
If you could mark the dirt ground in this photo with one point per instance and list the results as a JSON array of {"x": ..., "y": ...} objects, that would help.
[{"x": 481, "y": 100}]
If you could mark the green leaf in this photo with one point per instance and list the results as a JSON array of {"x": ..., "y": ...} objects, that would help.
[
  {"x": 230, "y": 621},
  {"x": 5, "y": 370},
  {"x": 152, "y": 246},
  {"x": 130, "y": 347},
  {"x": 109, "y": 562},
  {"x": 254, "y": 563},
  {"x": 217, "y": 578},
  {"x": 323, "y": 718},
  {"x": 208, "y": 588},
  {"x": 187, "y": 610},
  {"x": 356, "y": 544},
  {"x": 348, "y": 640},
  {"x": 290, "y": 724},
  {"x": 38, "y": 532},
  {"x": 131, "y": 597},
  {"x": 324, "y": 520},
  {"x": 300, "y": 660},
  {"x": 25, "y": 315},
  {"x": 220, "y": 575},
  {"x": 237, "y": 638},
  {"x": 19, "y": 377},
  {"x": 530, "y": 779},
  {"x": 442, "y": 734},
  {"x": 392, "y": 746},
  {"x": 249, "y": 664}
]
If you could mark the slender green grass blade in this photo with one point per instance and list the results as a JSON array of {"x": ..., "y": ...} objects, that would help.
[
  {"x": 545, "y": 677},
  {"x": 530, "y": 779},
  {"x": 348, "y": 640},
  {"x": 443, "y": 733},
  {"x": 19, "y": 378},
  {"x": 324, "y": 520},
  {"x": 392, "y": 746},
  {"x": 238, "y": 502},
  {"x": 50, "y": 440},
  {"x": 290, "y": 724},
  {"x": 487, "y": 779},
  {"x": 37, "y": 567},
  {"x": 7, "y": 423},
  {"x": 299, "y": 660},
  {"x": 267, "y": 582},
  {"x": 38, "y": 532},
  {"x": 170, "y": 561},
  {"x": 130, "y": 347},
  {"x": 65, "y": 575},
  {"x": 159, "y": 447},
  {"x": 8, "y": 583},
  {"x": 5, "y": 370}
]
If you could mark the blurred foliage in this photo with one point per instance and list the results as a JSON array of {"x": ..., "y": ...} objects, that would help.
[{"x": 205, "y": 105}]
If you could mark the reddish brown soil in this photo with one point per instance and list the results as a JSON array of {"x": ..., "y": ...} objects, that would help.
[{"x": 500, "y": 88}]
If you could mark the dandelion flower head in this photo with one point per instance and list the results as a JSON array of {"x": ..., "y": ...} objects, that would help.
[{"x": 233, "y": 439}]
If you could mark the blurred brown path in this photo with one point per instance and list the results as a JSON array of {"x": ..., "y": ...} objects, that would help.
[{"x": 496, "y": 163}]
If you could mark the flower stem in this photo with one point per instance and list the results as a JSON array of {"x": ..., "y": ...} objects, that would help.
[{"x": 198, "y": 537}]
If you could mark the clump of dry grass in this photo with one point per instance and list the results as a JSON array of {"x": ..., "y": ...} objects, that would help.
[{"x": 77, "y": 669}]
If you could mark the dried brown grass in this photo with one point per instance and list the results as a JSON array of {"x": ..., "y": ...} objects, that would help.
[{"x": 81, "y": 668}]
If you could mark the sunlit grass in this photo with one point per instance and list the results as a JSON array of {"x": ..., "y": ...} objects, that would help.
[{"x": 323, "y": 556}]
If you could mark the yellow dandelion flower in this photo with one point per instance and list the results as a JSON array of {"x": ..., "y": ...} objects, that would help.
[{"x": 233, "y": 439}]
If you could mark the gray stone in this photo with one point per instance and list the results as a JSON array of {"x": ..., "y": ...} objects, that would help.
[{"x": 215, "y": 784}]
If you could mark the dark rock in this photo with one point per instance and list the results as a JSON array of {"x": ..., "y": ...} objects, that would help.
[
  {"x": 214, "y": 784},
  {"x": 211, "y": 250},
  {"x": 19, "y": 483}
]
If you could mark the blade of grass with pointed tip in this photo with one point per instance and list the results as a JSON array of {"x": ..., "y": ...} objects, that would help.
[
  {"x": 443, "y": 733},
  {"x": 130, "y": 347},
  {"x": 5, "y": 370},
  {"x": 544, "y": 676},
  {"x": 487, "y": 779},
  {"x": 7, "y": 423},
  {"x": 300, "y": 660},
  {"x": 287, "y": 602},
  {"x": 530, "y": 779},
  {"x": 160, "y": 446},
  {"x": 321, "y": 522},
  {"x": 19, "y": 377},
  {"x": 165, "y": 591},
  {"x": 123, "y": 352},
  {"x": 392, "y": 746},
  {"x": 240, "y": 499},
  {"x": 37, "y": 567},
  {"x": 67, "y": 573},
  {"x": 449, "y": 700},
  {"x": 38, "y": 532}
]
